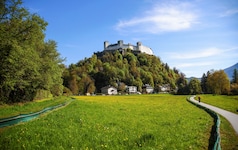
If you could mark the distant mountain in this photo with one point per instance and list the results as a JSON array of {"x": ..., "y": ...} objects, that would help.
[{"x": 230, "y": 70}]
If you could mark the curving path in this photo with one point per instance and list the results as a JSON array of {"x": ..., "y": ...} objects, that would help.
[{"x": 231, "y": 117}]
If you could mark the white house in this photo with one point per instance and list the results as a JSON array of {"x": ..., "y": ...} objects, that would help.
[
  {"x": 109, "y": 90},
  {"x": 165, "y": 88},
  {"x": 131, "y": 89},
  {"x": 148, "y": 89},
  {"x": 139, "y": 48}
]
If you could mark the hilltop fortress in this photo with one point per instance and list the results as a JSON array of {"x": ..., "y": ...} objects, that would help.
[{"x": 139, "y": 48}]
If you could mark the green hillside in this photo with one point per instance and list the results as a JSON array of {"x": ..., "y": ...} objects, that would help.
[{"x": 118, "y": 69}]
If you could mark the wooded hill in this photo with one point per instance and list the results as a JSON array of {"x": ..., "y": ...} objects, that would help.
[{"x": 118, "y": 70}]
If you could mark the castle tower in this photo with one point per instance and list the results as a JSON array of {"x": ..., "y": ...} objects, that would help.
[
  {"x": 106, "y": 44},
  {"x": 139, "y": 46},
  {"x": 120, "y": 43}
]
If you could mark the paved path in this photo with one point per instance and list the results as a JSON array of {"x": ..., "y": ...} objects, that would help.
[{"x": 231, "y": 117}]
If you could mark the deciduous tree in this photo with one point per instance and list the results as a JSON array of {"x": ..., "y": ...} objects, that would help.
[
  {"x": 219, "y": 82},
  {"x": 194, "y": 86},
  {"x": 28, "y": 64}
]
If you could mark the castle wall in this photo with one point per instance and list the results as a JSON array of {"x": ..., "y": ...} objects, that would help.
[
  {"x": 120, "y": 45},
  {"x": 146, "y": 50}
]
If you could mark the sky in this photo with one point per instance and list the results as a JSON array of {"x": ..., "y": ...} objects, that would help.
[{"x": 193, "y": 36}]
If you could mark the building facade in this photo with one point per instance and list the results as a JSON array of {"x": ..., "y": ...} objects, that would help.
[
  {"x": 131, "y": 89},
  {"x": 148, "y": 89},
  {"x": 138, "y": 48},
  {"x": 109, "y": 90}
]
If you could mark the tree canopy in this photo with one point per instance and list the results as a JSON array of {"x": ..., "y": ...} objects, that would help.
[
  {"x": 118, "y": 70},
  {"x": 218, "y": 82},
  {"x": 28, "y": 63},
  {"x": 194, "y": 86}
]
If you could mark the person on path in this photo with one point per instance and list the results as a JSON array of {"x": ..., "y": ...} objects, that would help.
[{"x": 199, "y": 99}]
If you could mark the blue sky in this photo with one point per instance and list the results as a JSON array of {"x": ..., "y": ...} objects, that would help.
[{"x": 194, "y": 36}]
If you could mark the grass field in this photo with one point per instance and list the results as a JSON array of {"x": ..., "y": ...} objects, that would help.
[
  {"x": 229, "y": 103},
  {"x": 116, "y": 122},
  {"x": 29, "y": 107}
]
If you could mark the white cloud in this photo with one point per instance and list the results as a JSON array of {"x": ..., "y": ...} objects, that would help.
[
  {"x": 196, "y": 54},
  {"x": 195, "y": 64},
  {"x": 229, "y": 13},
  {"x": 208, "y": 52},
  {"x": 161, "y": 18}
]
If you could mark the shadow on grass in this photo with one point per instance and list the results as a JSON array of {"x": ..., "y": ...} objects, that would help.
[{"x": 213, "y": 136}]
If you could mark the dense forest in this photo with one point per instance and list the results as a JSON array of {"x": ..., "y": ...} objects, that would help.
[
  {"x": 118, "y": 70},
  {"x": 30, "y": 66}
]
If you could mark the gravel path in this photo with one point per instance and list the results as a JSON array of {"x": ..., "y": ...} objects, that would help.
[{"x": 231, "y": 117}]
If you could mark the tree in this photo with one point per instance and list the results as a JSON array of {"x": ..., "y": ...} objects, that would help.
[
  {"x": 182, "y": 85},
  {"x": 234, "y": 88},
  {"x": 194, "y": 86},
  {"x": 73, "y": 85},
  {"x": 121, "y": 87},
  {"x": 235, "y": 76},
  {"x": 219, "y": 82},
  {"x": 234, "y": 83},
  {"x": 28, "y": 64},
  {"x": 86, "y": 85},
  {"x": 19, "y": 73},
  {"x": 204, "y": 83},
  {"x": 50, "y": 68}
]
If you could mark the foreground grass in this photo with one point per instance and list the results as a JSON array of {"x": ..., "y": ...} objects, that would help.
[
  {"x": 229, "y": 139},
  {"x": 229, "y": 103},
  {"x": 115, "y": 122},
  {"x": 29, "y": 107}
]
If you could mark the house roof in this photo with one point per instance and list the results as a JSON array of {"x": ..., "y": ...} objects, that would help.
[
  {"x": 147, "y": 86},
  {"x": 108, "y": 86}
]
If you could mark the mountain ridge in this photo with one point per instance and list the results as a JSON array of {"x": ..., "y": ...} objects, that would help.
[{"x": 230, "y": 70}]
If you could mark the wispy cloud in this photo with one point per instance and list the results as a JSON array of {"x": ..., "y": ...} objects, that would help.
[
  {"x": 195, "y": 64},
  {"x": 229, "y": 12},
  {"x": 195, "y": 54},
  {"x": 165, "y": 17}
]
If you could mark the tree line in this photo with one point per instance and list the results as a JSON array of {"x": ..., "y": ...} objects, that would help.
[
  {"x": 30, "y": 66},
  {"x": 213, "y": 82}
]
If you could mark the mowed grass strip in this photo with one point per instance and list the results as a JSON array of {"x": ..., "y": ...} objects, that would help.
[
  {"x": 115, "y": 122},
  {"x": 229, "y": 103},
  {"x": 29, "y": 107}
]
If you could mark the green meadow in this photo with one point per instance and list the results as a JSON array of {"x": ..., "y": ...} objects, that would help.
[
  {"x": 229, "y": 103},
  {"x": 118, "y": 122}
]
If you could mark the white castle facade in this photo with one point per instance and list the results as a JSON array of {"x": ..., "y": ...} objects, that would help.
[{"x": 139, "y": 48}]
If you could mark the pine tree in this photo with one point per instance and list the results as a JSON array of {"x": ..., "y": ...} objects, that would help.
[
  {"x": 235, "y": 76},
  {"x": 204, "y": 83}
]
